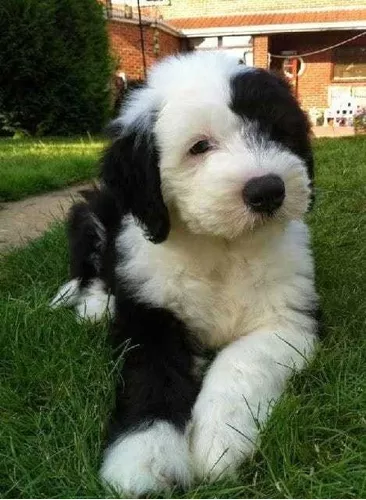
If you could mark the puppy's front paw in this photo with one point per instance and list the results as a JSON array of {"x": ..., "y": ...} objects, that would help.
[
  {"x": 222, "y": 436},
  {"x": 95, "y": 302},
  {"x": 150, "y": 460}
]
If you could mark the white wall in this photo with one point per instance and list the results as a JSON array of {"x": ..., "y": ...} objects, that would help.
[{"x": 240, "y": 46}]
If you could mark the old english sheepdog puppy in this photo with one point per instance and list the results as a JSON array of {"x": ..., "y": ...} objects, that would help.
[{"x": 195, "y": 244}]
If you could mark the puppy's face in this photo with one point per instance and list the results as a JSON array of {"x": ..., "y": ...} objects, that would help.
[{"x": 232, "y": 144}]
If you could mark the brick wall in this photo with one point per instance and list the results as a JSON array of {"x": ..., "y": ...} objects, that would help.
[
  {"x": 312, "y": 85},
  {"x": 260, "y": 51},
  {"x": 197, "y": 8},
  {"x": 126, "y": 46}
]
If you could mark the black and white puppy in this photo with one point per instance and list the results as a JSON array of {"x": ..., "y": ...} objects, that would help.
[{"x": 196, "y": 242}]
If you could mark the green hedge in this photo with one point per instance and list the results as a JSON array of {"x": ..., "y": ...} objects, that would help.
[{"x": 55, "y": 67}]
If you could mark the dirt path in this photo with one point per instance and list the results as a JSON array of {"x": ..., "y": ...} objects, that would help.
[{"x": 21, "y": 221}]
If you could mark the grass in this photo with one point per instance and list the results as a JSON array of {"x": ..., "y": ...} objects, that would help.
[
  {"x": 29, "y": 167},
  {"x": 56, "y": 387}
]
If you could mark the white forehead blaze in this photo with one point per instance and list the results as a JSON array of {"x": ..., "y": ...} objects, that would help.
[
  {"x": 193, "y": 76},
  {"x": 194, "y": 96},
  {"x": 181, "y": 83}
]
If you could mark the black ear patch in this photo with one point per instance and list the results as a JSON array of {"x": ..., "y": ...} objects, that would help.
[
  {"x": 267, "y": 98},
  {"x": 130, "y": 169}
]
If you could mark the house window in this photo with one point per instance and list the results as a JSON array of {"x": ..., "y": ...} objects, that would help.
[{"x": 349, "y": 63}]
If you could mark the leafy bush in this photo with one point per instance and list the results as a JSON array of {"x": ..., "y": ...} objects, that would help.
[{"x": 55, "y": 67}]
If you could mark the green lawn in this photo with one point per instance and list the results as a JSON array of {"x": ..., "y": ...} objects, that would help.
[
  {"x": 30, "y": 166},
  {"x": 56, "y": 377}
]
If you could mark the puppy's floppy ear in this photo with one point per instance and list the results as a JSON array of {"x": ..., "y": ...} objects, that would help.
[{"x": 130, "y": 169}]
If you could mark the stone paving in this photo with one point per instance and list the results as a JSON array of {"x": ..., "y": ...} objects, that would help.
[
  {"x": 333, "y": 131},
  {"x": 21, "y": 221}
]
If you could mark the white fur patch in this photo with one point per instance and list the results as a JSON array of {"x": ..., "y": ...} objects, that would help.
[
  {"x": 224, "y": 290},
  {"x": 67, "y": 295},
  {"x": 95, "y": 302},
  {"x": 239, "y": 390},
  {"x": 154, "y": 459},
  {"x": 91, "y": 303}
]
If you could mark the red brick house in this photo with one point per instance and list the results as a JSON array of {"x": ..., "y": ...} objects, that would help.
[{"x": 256, "y": 32}]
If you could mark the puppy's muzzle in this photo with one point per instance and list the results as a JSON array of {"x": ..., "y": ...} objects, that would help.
[{"x": 264, "y": 194}]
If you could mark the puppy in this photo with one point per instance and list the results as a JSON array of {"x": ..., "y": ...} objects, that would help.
[{"x": 195, "y": 244}]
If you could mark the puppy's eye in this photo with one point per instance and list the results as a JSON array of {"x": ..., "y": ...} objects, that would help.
[{"x": 200, "y": 147}]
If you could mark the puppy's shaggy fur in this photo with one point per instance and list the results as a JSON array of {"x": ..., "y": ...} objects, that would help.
[{"x": 196, "y": 243}]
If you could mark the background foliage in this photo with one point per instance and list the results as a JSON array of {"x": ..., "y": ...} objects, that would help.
[{"x": 55, "y": 67}]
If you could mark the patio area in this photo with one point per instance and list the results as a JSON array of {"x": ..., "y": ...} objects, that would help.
[{"x": 320, "y": 131}]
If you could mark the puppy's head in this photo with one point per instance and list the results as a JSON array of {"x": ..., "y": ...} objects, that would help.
[{"x": 217, "y": 146}]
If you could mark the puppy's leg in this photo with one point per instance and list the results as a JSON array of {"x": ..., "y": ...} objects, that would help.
[
  {"x": 95, "y": 302},
  {"x": 245, "y": 379},
  {"x": 87, "y": 244},
  {"x": 148, "y": 449}
]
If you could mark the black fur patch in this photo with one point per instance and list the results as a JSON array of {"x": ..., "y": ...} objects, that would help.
[
  {"x": 130, "y": 170},
  {"x": 266, "y": 98},
  {"x": 157, "y": 380},
  {"x": 92, "y": 229}
]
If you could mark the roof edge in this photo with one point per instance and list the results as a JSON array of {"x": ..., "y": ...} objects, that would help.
[{"x": 274, "y": 28}]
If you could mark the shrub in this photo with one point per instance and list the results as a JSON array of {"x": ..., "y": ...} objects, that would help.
[{"x": 55, "y": 67}]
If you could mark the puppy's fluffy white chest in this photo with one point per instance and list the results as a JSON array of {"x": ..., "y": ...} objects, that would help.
[{"x": 223, "y": 290}]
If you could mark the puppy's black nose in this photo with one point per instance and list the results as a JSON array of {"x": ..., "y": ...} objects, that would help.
[{"x": 264, "y": 194}]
